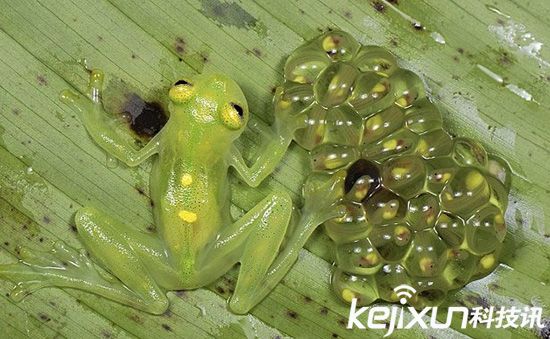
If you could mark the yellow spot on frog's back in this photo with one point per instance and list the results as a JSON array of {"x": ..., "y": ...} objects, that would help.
[
  {"x": 186, "y": 179},
  {"x": 187, "y": 216}
]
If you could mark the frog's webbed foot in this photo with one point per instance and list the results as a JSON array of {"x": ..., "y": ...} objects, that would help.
[
  {"x": 117, "y": 248},
  {"x": 323, "y": 197},
  {"x": 56, "y": 267}
]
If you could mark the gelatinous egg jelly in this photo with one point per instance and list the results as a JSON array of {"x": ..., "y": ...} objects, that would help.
[{"x": 423, "y": 208}]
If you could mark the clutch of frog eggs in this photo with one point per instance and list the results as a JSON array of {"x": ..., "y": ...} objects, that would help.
[{"x": 423, "y": 209}]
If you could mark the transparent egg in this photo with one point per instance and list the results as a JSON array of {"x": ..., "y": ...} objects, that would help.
[
  {"x": 427, "y": 257},
  {"x": 351, "y": 286},
  {"x": 440, "y": 171},
  {"x": 343, "y": 126},
  {"x": 461, "y": 265},
  {"x": 338, "y": 45},
  {"x": 385, "y": 207},
  {"x": 314, "y": 132},
  {"x": 376, "y": 59},
  {"x": 334, "y": 84},
  {"x": 485, "y": 230},
  {"x": 466, "y": 191},
  {"x": 423, "y": 211},
  {"x": 434, "y": 143},
  {"x": 370, "y": 94},
  {"x": 422, "y": 117},
  {"x": 450, "y": 228},
  {"x": 404, "y": 175},
  {"x": 389, "y": 277},
  {"x": 382, "y": 124},
  {"x": 304, "y": 65},
  {"x": 391, "y": 241},
  {"x": 468, "y": 152},
  {"x": 294, "y": 99},
  {"x": 331, "y": 157},
  {"x": 359, "y": 257},
  {"x": 400, "y": 142}
]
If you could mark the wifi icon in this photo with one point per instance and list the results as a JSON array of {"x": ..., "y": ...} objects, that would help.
[{"x": 404, "y": 292}]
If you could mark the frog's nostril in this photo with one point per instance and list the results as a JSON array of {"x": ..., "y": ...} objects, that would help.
[
  {"x": 181, "y": 82},
  {"x": 239, "y": 109}
]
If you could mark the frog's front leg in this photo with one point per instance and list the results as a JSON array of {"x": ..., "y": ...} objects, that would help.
[
  {"x": 276, "y": 138},
  {"x": 133, "y": 258},
  {"x": 108, "y": 133}
]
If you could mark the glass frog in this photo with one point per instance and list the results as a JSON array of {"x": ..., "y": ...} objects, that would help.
[{"x": 197, "y": 240}]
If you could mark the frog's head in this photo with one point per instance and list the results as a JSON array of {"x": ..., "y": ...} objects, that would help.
[{"x": 212, "y": 100}]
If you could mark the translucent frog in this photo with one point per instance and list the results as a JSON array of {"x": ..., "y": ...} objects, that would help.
[{"x": 196, "y": 240}]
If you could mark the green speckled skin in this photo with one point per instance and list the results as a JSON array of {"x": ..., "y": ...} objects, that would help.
[
  {"x": 196, "y": 240},
  {"x": 423, "y": 208}
]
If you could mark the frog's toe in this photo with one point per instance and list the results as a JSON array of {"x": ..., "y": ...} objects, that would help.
[
  {"x": 68, "y": 97},
  {"x": 62, "y": 266},
  {"x": 30, "y": 257},
  {"x": 60, "y": 256},
  {"x": 24, "y": 288},
  {"x": 74, "y": 100},
  {"x": 25, "y": 277},
  {"x": 238, "y": 306},
  {"x": 37, "y": 269},
  {"x": 95, "y": 86}
]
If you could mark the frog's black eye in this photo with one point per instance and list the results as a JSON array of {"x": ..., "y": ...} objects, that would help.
[
  {"x": 181, "y": 82},
  {"x": 233, "y": 115},
  {"x": 239, "y": 109},
  {"x": 181, "y": 91}
]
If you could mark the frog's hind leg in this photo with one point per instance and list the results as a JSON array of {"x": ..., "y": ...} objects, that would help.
[
  {"x": 127, "y": 254},
  {"x": 256, "y": 281},
  {"x": 255, "y": 240}
]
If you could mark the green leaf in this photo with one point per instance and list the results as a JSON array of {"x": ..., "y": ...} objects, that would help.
[{"x": 486, "y": 66}]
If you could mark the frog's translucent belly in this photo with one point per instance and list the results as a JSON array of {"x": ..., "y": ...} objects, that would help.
[{"x": 191, "y": 205}]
